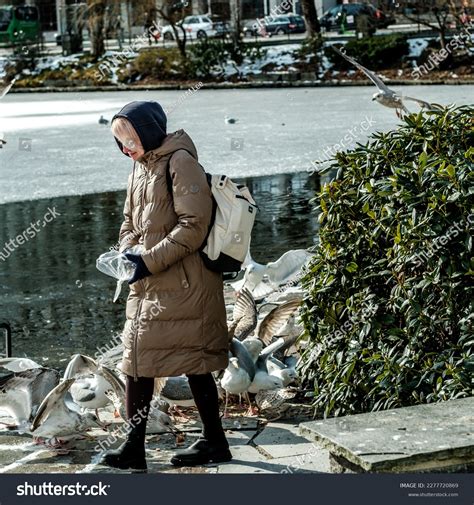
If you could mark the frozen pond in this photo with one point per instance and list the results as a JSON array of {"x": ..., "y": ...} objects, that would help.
[{"x": 56, "y": 146}]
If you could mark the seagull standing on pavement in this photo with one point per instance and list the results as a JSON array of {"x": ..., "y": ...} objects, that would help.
[{"x": 385, "y": 96}]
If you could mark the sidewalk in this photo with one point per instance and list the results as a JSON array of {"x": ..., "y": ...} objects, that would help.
[{"x": 257, "y": 446}]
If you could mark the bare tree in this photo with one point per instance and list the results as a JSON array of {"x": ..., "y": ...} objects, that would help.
[
  {"x": 311, "y": 17},
  {"x": 172, "y": 12},
  {"x": 433, "y": 14}
]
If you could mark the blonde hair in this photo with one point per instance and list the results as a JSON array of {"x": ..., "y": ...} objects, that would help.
[{"x": 123, "y": 130}]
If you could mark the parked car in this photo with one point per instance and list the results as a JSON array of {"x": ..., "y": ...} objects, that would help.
[
  {"x": 221, "y": 27},
  {"x": 278, "y": 25},
  {"x": 333, "y": 18},
  {"x": 198, "y": 27}
]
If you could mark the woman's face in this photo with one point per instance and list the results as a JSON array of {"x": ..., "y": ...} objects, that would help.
[
  {"x": 126, "y": 134},
  {"x": 132, "y": 147}
]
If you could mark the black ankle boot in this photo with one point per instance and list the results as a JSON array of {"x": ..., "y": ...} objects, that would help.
[
  {"x": 203, "y": 451},
  {"x": 129, "y": 456}
]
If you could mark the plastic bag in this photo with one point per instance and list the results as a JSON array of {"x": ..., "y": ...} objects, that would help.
[{"x": 115, "y": 264}]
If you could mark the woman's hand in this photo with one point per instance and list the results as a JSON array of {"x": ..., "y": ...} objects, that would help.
[{"x": 141, "y": 271}]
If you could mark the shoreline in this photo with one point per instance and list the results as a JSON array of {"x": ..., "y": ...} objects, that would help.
[{"x": 241, "y": 85}]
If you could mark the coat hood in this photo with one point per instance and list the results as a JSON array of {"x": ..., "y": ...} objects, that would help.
[
  {"x": 149, "y": 121},
  {"x": 175, "y": 142}
]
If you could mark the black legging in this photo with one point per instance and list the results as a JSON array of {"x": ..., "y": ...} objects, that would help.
[{"x": 140, "y": 393}]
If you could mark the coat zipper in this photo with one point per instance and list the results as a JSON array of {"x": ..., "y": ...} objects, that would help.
[{"x": 135, "y": 340}]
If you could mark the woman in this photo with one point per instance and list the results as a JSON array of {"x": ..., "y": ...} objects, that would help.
[{"x": 176, "y": 317}]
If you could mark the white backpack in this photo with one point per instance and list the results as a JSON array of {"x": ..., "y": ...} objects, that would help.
[{"x": 228, "y": 241}]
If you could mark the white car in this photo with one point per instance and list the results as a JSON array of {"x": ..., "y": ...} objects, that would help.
[{"x": 197, "y": 27}]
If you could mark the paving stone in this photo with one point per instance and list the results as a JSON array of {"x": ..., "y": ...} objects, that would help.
[
  {"x": 281, "y": 439},
  {"x": 433, "y": 437}
]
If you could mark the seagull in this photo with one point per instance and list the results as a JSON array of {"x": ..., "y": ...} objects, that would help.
[
  {"x": 274, "y": 403},
  {"x": 230, "y": 120},
  {"x": 239, "y": 374},
  {"x": 23, "y": 386},
  {"x": 6, "y": 86},
  {"x": 158, "y": 420},
  {"x": 103, "y": 121},
  {"x": 280, "y": 321},
  {"x": 244, "y": 316},
  {"x": 176, "y": 391},
  {"x": 385, "y": 96},
  {"x": 89, "y": 388},
  {"x": 276, "y": 368},
  {"x": 263, "y": 380},
  {"x": 57, "y": 419},
  {"x": 2, "y": 140},
  {"x": 261, "y": 280}
]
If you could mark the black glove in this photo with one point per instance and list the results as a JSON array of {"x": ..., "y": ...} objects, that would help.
[{"x": 141, "y": 270}]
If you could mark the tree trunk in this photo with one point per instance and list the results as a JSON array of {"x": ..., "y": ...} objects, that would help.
[
  {"x": 201, "y": 6},
  {"x": 311, "y": 17},
  {"x": 96, "y": 27},
  {"x": 235, "y": 20}
]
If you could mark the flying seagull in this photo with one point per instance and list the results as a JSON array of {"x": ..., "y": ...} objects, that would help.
[
  {"x": 385, "y": 96},
  {"x": 6, "y": 86},
  {"x": 261, "y": 280}
]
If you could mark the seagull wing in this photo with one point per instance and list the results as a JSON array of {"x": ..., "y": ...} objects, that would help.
[
  {"x": 80, "y": 365},
  {"x": 276, "y": 319},
  {"x": 287, "y": 266},
  {"x": 422, "y": 103},
  {"x": 244, "y": 316},
  {"x": 52, "y": 399},
  {"x": 371, "y": 75},
  {"x": 18, "y": 364}
]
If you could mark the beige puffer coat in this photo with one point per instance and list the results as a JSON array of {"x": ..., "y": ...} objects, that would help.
[{"x": 176, "y": 318}]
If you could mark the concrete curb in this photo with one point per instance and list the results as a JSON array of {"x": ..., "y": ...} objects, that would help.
[{"x": 240, "y": 85}]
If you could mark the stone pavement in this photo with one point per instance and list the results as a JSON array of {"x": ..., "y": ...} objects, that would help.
[{"x": 257, "y": 446}]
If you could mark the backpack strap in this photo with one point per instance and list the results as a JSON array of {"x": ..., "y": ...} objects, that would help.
[{"x": 169, "y": 184}]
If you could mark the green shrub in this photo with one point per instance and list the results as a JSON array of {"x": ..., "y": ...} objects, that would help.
[
  {"x": 210, "y": 57},
  {"x": 155, "y": 63},
  {"x": 383, "y": 51},
  {"x": 388, "y": 307}
]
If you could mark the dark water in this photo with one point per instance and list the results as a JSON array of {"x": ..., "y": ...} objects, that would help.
[{"x": 59, "y": 304}]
